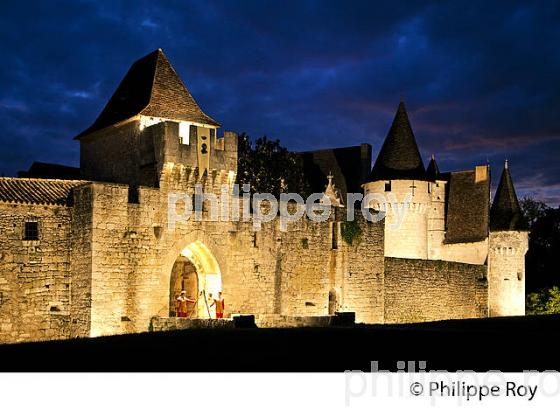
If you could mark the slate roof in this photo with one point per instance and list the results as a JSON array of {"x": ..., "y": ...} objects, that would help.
[
  {"x": 151, "y": 87},
  {"x": 399, "y": 157},
  {"x": 349, "y": 166},
  {"x": 468, "y": 206},
  {"x": 37, "y": 191},
  {"x": 505, "y": 214},
  {"x": 50, "y": 171},
  {"x": 432, "y": 172}
]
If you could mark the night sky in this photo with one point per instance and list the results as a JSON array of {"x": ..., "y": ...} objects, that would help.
[{"x": 480, "y": 79}]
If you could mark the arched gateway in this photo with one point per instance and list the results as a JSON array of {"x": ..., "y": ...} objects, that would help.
[{"x": 197, "y": 272}]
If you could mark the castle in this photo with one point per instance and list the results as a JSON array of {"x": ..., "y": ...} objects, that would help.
[{"x": 87, "y": 252}]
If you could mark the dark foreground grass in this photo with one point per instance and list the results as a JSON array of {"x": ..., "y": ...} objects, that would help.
[{"x": 506, "y": 344}]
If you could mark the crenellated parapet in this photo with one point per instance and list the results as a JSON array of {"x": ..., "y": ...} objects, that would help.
[{"x": 199, "y": 157}]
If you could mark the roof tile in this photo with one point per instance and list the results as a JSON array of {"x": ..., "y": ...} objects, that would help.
[
  {"x": 399, "y": 157},
  {"x": 37, "y": 191},
  {"x": 151, "y": 87}
]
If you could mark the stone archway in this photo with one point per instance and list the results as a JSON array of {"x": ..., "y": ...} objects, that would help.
[{"x": 196, "y": 271}]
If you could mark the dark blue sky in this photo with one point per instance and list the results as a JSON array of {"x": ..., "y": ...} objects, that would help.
[{"x": 480, "y": 79}]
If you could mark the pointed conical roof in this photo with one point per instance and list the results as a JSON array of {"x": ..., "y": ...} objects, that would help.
[
  {"x": 505, "y": 214},
  {"x": 151, "y": 87},
  {"x": 399, "y": 157},
  {"x": 432, "y": 172}
]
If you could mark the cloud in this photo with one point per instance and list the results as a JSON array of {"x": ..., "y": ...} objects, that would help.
[{"x": 479, "y": 78}]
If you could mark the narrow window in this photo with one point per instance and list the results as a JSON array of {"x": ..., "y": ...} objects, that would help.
[
  {"x": 429, "y": 187},
  {"x": 387, "y": 186},
  {"x": 334, "y": 235},
  {"x": 31, "y": 231},
  {"x": 255, "y": 245},
  {"x": 197, "y": 202}
]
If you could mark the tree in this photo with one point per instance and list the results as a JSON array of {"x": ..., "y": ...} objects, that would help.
[
  {"x": 269, "y": 167},
  {"x": 541, "y": 260},
  {"x": 532, "y": 209}
]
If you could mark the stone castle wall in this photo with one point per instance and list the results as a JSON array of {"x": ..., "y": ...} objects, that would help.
[
  {"x": 35, "y": 276},
  {"x": 407, "y": 237},
  {"x": 104, "y": 265},
  {"x": 506, "y": 273},
  {"x": 421, "y": 235},
  {"x": 264, "y": 272},
  {"x": 112, "y": 154},
  {"x": 81, "y": 261},
  {"x": 424, "y": 290}
]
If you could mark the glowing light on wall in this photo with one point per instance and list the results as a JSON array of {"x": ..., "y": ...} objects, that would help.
[
  {"x": 208, "y": 271},
  {"x": 231, "y": 177}
]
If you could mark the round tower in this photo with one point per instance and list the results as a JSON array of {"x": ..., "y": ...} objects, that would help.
[
  {"x": 398, "y": 184},
  {"x": 508, "y": 243}
]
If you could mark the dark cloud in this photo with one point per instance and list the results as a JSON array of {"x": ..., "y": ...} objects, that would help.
[{"x": 479, "y": 78}]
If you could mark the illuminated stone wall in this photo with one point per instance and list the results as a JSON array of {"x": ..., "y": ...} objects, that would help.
[
  {"x": 34, "y": 275},
  {"x": 471, "y": 252},
  {"x": 103, "y": 265},
  {"x": 421, "y": 235},
  {"x": 310, "y": 266},
  {"x": 81, "y": 261},
  {"x": 425, "y": 290},
  {"x": 409, "y": 237},
  {"x": 506, "y": 273},
  {"x": 264, "y": 272},
  {"x": 436, "y": 220}
]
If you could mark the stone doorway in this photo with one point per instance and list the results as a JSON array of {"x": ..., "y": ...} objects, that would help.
[
  {"x": 197, "y": 272},
  {"x": 183, "y": 277}
]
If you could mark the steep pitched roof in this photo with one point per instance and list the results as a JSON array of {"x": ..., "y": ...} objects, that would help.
[
  {"x": 399, "y": 157},
  {"x": 467, "y": 207},
  {"x": 348, "y": 165},
  {"x": 432, "y": 172},
  {"x": 151, "y": 87},
  {"x": 505, "y": 214},
  {"x": 50, "y": 171},
  {"x": 37, "y": 191}
]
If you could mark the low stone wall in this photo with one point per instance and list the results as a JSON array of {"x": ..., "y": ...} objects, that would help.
[
  {"x": 425, "y": 290},
  {"x": 279, "y": 321},
  {"x": 162, "y": 324}
]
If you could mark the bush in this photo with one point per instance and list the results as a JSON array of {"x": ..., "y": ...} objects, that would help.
[
  {"x": 350, "y": 231},
  {"x": 546, "y": 301}
]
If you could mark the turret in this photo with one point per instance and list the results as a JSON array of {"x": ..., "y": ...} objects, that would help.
[
  {"x": 436, "y": 210},
  {"x": 508, "y": 243},
  {"x": 432, "y": 172},
  {"x": 400, "y": 177},
  {"x": 332, "y": 193}
]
